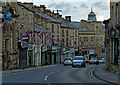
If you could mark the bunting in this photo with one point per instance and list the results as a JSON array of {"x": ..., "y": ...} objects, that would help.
[
  {"x": 62, "y": 41},
  {"x": 29, "y": 31},
  {"x": 57, "y": 39},
  {"x": 47, "y": 36},
  {"x": 40, "y": 34}
]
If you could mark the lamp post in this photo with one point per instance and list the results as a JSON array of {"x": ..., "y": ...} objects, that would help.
[{"x": 112, "y": 33}]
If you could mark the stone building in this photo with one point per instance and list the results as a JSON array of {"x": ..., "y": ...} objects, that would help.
[
  {"x": 44, "y": 19},
  {"x": 112, "y": 39},
  {"x": 91, "y": 35},
  {"x": 9, "y": 36},
  {"x": 69, "y": 37},
  {"x": 26, "y": 33},
  {"x": 1, "y": 16}
]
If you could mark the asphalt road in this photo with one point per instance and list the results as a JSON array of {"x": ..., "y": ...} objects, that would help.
[{"x": 54, "y": 74}]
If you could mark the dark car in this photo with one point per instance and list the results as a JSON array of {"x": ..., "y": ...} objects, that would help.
[
  {"x": 78, "y": 61},
  {"x": 94, "y": 61}
]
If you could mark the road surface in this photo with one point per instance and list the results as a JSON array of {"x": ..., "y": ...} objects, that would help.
[{"x": 54, "y": 74}]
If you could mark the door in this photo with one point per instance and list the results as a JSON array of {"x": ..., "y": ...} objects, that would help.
[{"x": 23, "y": 58}]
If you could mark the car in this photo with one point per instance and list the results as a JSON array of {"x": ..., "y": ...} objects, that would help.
[
  {"x": 78, "y": 61},
  {"x": 94, "y": 61},
  {"x": 67, "y": 61},
  {"x": 101, "y": 60}
]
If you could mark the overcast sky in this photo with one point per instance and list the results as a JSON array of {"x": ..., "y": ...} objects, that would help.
[{"x": 77, "y": 9}]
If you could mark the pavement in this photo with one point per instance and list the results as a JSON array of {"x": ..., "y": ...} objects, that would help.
[{"x": 107, "y": 76}]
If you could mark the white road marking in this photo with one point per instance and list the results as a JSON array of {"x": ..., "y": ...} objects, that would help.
[
  {"x": 51, "y": 73},
  {"x": 46, "y": 78}
]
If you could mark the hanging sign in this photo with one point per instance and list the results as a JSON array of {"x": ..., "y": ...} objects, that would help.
[{"x": 7, "y": 16}]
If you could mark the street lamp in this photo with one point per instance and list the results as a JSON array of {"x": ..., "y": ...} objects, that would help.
[{"x": 112, "y": 33}]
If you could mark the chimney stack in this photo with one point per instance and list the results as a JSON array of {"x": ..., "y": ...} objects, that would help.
[
  {"x": 29, "y": 4},
  {"x": 68, "y": 18},
  {"x": 60, "y": 16},
  {"x": 48, "y": 12},
  {"x": 42, "y": 8}
]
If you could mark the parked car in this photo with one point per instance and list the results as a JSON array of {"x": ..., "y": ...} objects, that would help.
[
  {"x": 68, "y": 61},
  {"x": 101, "y": 60},
  {"x": 78, "y": 61},
  {"x": 94, "y": 61}
]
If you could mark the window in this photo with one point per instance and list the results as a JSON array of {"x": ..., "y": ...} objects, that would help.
[
  {"x": 117, "y": 13},
  {"x": 92, "y": 39},
  {"x": 52, "y": 28},
  {"x": 62, "y": 33},
  {"x": 58, "y": 29},
  {"x": 29, "y": 17},
  {"x": 21, "y": 28},
  {"x": 75, "y": 33},
  {"x": 67, "y": 41},
  {"x": 67, "y": 33},
  {"x": 80, "y": 39},
  {"x": 96, "y": 27},
  {"x": 71, "y": 32},
  {"x": 22, "y": 13},
  {"x": 63, "y": 41},
  {"x": 11, "y": 40}
]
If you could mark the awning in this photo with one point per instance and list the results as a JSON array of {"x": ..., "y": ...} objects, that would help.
[{"x": 54, "y": 50}]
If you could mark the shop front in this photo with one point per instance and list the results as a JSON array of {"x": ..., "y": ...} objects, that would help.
[
  {"x": 53, "y": 58},
  {"x": 72, "y": 53},
  {"x": 30, "y": 56},
  {"x": 37, "y": 55},
  {"x": 44, "y": 56}
]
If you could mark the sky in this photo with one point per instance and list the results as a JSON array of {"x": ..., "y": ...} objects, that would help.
[{"x": 77, "y": 9}]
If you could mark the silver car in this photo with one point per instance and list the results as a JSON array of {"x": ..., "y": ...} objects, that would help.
[
  {"x": 79, "y": 61},
  {"x": 68, "y": 61}
]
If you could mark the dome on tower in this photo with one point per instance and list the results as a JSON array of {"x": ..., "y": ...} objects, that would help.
[{"x": 92, "y": 16}]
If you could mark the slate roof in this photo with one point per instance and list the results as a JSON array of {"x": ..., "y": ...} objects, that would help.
[
  {"x": 39, "y": 29},
  {"x": 65, "y": 23},
  {"x": 47, "y": 17},
  {"x": 77, "y": 25}
]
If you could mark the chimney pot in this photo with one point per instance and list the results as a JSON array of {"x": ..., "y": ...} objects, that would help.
[{"x": 68, "y": 18}]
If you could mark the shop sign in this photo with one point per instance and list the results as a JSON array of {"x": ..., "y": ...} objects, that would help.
[
  {"x": 25, "y": 44},
  {"x": 30, "y": 47},
  {"x": 44, "y": 48},
  {"x": 54, "y": 49},
  {"x": 92, "y": 52}
]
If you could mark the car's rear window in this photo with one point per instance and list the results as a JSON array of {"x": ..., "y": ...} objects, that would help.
[
  {"x": 67, "y": 58},
  {"x": 78, "y": 58}
]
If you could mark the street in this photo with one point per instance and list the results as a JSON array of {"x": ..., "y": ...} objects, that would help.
[{"x": 54, "y": 74}]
